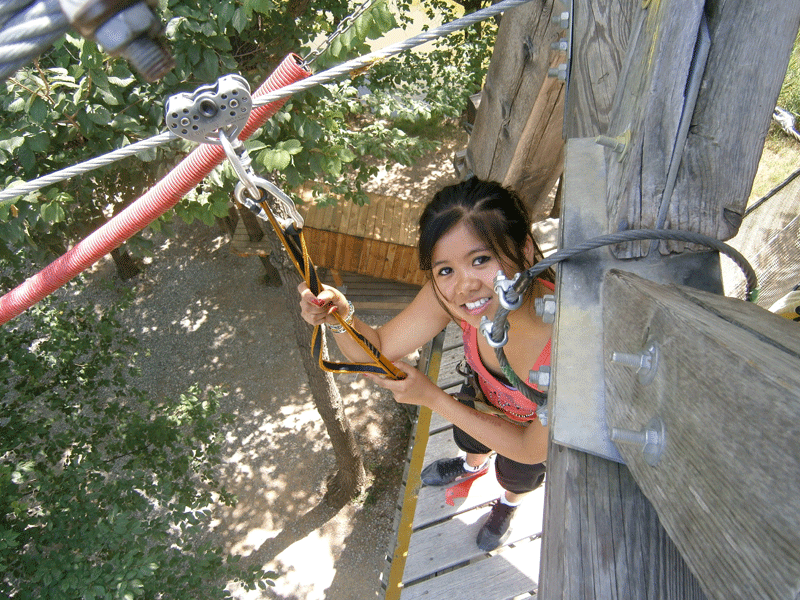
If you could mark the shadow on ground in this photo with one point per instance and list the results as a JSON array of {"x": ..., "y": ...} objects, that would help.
[{"x": 207, "y": 317}]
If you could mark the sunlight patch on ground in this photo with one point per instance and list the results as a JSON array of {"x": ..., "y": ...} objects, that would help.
[{"x": 305, "y": 569}]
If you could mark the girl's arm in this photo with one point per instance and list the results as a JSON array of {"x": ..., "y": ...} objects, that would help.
[
  {"x": 417, "y": 324},
  {"x": 523, "y": 444}
]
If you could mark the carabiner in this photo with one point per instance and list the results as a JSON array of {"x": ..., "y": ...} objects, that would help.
[
  {"x": 237, "y": 155},
  {"x": 283, "y": 208}
]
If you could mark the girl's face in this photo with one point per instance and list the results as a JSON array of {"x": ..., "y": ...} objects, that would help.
[{"x": 463, "y": 270}]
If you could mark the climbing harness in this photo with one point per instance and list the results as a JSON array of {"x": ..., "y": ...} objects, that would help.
[
  {"x": 215, "y": 114},
  {"x": 511, "y": 291}
]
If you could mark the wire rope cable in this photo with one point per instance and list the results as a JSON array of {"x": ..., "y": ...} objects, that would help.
[
  {"x": 28, "y": 29},
  {"x": 371, "y": 58},
  {"x": 497, "y": 330},
  {"x": 14, "y": 191}
]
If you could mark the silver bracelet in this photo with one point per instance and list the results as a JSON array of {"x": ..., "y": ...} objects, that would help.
[{"x": 348, "y": 318}]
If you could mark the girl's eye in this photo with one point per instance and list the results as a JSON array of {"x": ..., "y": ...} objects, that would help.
[
  {"x": 480, "y": 260},
  {"x": 444, "y": 271}
]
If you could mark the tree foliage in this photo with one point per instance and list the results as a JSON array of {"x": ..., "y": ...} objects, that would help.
[
  {"x": 104, "y": 490},
  {"x": 75, "y": 103}
]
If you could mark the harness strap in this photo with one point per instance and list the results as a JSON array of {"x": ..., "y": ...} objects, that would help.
[{"x": 295, "y": 244}]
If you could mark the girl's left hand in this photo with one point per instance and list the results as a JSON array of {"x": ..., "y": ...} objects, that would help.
[{"x": 416, "y": 388}]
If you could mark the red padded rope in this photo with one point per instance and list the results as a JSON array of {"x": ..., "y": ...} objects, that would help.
[{"x": 158, "y": 200}]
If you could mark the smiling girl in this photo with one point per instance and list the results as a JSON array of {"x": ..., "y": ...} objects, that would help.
[{"x": 468, "y": 232}]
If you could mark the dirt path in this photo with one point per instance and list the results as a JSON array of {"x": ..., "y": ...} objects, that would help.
[{"x": 206, "y": 317}]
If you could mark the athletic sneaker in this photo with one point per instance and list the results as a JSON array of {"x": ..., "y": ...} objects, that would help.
[
  {"x": 447, "y": 470},
  {"x": 495, "y": 530}
]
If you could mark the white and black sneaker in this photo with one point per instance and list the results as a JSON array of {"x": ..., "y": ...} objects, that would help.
[{"x": 448, "y": 470}]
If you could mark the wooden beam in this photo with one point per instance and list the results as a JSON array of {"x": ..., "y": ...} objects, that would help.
[
  {"x": 647, "y": 110},
  {"x": 602, "y": 538},
  {"x": 707, "y": 145},
  {"x": 600, "y": 32},
  {"x": 725, "y": 386},
  {"x": 517, "y": 137},
  {"x": 749, "y": 54}
]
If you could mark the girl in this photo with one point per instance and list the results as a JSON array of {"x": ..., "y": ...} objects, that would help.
[{"x": 468, "y": 232}]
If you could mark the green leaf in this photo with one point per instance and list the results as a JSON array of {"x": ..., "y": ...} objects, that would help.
[
  {"x": 225, "y": 13},
  {"x": 346, "y": 155},
  {"x": 17, "y": 105},
  {"x": 26, "y": 158},
  {"x": 52, "y": 212},
  {"x": 39, "y": 142},
  {"x": 275, "y": 160},
  {"x": 240, "y": 19},
  {"x": 100, "y": 115},
  {"x": 38, "y": 111},
  {"x": 291, "y": 146}
]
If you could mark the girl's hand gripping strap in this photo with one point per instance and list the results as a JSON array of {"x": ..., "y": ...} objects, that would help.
[{"x": 291, "y": 237}]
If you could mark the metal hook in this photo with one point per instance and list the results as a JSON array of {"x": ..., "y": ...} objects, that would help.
[
  {"x": 240, "y": 164},
  {"x": 284, "y": 209}
]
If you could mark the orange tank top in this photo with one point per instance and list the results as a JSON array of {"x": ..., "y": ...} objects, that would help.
[{"x": 505, "y": 397}]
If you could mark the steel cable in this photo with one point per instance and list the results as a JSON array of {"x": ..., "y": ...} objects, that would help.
[
  {"x": 499, "y": 325},
  {"x": 28, "y": 29}
]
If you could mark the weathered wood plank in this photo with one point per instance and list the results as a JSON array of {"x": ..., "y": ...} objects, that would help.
[
  {"x": 505, "y": 132},
  {"x": 505, "y": 576},
  {"x": 725, "y": 387},
  {"x": 751, "y": 44},
  {"x": 718, "y": 159},
  {"x": 600, "y": 31},
  {"x": 452, "y": 542},
  {"x": 648, "y": 108},
  {"x": 601, "y": 533}
]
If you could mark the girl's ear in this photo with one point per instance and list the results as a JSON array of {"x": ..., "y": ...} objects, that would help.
[{"x": 530, "y": 251}]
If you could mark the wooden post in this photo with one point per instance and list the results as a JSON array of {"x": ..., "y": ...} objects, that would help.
[
  {"x": 517, "y": 137},
  {"x": 600, "y": 32},
  {"x": 725, "y": 388},
  {"x": 602, "y": 538},
  {"x": 690, "y": 158}
]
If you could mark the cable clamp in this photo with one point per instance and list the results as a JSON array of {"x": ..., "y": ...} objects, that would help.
[
  {"x": 486, "y": 328},
  {"x": 506, "y": 291}
]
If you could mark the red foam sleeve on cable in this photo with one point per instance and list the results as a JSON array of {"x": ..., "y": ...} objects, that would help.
[{"x": 158, "y": 200}]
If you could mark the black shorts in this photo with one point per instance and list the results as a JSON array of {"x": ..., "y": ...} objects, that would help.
[{"x": 513, "y": 476}]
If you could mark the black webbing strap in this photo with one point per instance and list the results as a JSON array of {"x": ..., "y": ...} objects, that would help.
[{"x": 295, "y": 244}]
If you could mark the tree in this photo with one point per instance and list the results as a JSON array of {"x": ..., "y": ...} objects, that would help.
[
  {"x": 104, "y": 491},
  {"x": 75, "y": 102}
]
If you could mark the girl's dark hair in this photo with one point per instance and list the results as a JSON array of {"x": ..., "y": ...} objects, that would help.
[{"x": 494, "y": 214}]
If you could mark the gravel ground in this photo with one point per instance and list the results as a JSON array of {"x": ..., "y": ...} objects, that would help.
[{"x": 207, "y": 317}]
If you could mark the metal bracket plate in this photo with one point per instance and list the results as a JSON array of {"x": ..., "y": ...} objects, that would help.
[{"x": 577, "y": 393}]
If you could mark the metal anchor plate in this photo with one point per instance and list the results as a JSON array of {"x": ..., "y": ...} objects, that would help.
[{"x": 200, "y": 115}]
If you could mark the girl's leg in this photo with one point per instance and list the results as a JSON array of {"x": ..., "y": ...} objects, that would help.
[
  {"x": 518, "y": 480},
  {"x": 477, "y": 460}
]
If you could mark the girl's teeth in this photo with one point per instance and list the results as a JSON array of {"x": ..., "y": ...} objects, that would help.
[{"x": 477, "y": 304}]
